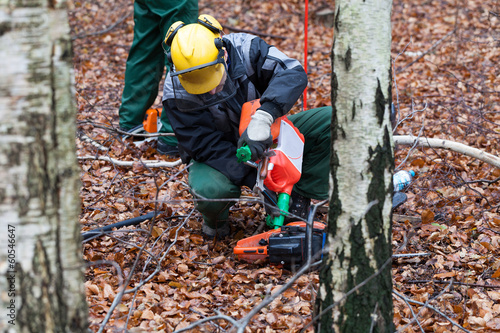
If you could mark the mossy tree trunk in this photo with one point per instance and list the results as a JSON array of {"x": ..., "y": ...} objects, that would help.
[
  {"x": 41, "y": 266},
  {"x": 359, "y": 222}
]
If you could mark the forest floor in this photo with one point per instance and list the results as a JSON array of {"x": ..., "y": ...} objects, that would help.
[{"x": 446, "y": 83}]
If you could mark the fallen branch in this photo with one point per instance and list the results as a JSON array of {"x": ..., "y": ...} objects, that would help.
[
  {"x": 122, "y": 132},
  {"x": 147, "y": 163},
  {"x": 124, "y": 290},
  {"x": 403, "y": 218},
  {"x": 84, "y": 137},
  {"x": 253, "y": 32},
  {"x": 428, "y": 51},
  {"x": 475, "y": 285},
  {"x": 410, "y": 255},
  {"x": 106, "y": 30},
  {"x": 414, "y": 315},
  {"x": 426, "y": 304},
  {"x": 409, "y": 140}
]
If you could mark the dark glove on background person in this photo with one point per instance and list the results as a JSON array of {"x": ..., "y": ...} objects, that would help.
[{"x": 258, "y": 134}]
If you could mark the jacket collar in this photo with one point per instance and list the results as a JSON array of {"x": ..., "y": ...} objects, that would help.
[{"x": 234, "y": 63}]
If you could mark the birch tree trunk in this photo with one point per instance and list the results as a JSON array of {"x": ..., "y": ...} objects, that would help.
[
  {"x": 41, "y": 264},
  {"x": 355, "y": 282}
]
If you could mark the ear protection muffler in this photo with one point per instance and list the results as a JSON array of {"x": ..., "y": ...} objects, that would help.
[
  {"x": 206, "y": 21},
  {"x": 210, "y": 23}
]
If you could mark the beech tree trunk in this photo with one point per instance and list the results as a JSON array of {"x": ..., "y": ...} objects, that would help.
[
  {"x": 41, "y": 264},
  {"x": 355, "y": 282}
]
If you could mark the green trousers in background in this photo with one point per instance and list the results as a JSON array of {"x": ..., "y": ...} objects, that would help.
[
  {"x": 146, "y": 60},
  {"x": 206, "y": 182}
]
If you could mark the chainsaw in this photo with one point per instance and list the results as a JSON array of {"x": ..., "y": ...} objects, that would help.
[
  {"x": 278, "y": 171},
  {"x": 150, "y": 125},
  {"x": 289, "y": 245}
]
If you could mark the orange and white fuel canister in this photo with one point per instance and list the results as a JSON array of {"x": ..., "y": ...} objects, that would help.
[{"x": 284, "y": 168}]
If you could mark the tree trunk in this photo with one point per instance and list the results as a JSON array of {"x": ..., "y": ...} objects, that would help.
[
  {"x": 39, "y": 176},
  {"x": 359, "y": 222}
]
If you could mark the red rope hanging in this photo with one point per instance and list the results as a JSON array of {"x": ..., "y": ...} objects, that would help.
[{"x": 304, "y": 106}]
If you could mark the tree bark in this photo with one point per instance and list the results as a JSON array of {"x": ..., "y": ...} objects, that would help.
[
  {"x": 355, "y": 281},
  {"x": 39, "y": 176}
]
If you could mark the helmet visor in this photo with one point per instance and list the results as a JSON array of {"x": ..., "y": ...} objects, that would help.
[
  {"x": 219, "y": 60},
  {"x": 202, "y": 78},
  {"x": 220, "y": 91}
]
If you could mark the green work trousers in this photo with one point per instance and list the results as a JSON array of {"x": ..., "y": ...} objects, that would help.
[
  {"x": 146, "y": 59},
  {"x": 206, "y": 182}
]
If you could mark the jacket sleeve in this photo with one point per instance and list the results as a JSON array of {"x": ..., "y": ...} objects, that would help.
[
  {"x": 280, "y": 79},
  {"x": 200, "y": 140}
]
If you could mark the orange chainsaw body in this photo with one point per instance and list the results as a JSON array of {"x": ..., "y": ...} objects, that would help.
[
  {"x": 255, "y": 247},
  {"x": 151, "y": 118}
]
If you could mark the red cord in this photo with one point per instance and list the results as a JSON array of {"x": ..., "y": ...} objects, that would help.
[{"x": 304, "y": 106}]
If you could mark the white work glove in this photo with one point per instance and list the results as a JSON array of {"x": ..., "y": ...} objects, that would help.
[{"x": 258, "y": 134}]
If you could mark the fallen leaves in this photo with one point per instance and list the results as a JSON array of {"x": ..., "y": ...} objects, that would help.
[
  {"x": 496, "y": 274},
  {"x": 451, "y": 92}
]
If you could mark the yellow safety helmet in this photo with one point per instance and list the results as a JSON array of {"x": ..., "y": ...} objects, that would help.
[{"x": 197, "y": 54}]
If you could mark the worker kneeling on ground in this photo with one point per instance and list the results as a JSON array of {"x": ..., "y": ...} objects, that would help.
[{"x": 211, "y": 78}]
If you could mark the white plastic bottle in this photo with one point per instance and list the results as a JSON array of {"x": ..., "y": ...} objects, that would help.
[{"x": 401, "y": 179}]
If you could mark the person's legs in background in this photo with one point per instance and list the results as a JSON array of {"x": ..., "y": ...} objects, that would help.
[
  {"x": 187, "y": 12},
  {"x": 146, "y": 60},
  {"x": 144, "y": 68}
]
